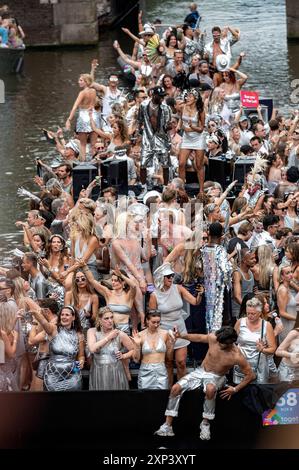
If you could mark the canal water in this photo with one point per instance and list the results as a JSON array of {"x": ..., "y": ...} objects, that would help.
[{"x": 44, "y": 95}]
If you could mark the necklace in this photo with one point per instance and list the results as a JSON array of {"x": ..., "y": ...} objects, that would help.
[{"x": 154, "y": 106}]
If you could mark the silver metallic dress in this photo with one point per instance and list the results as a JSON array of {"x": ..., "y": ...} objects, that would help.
[
  {"x": 217, "y": 276},
  {"x": 61, "y": 373},
  {"x": 83, "y": 121},
  {"x": 106, "y": 372}
]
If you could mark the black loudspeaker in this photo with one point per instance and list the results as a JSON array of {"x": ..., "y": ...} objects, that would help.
[
  {"x": 83, "y": 174},
  {"x": 267, "y": 109},
  {"x": 220, "y": 170},
  {"x": 268, "y": 103},
  {"x": 191, "y": 177},
  {"x": 115, "y": 173},
  {"x": 242, "y": 166}
]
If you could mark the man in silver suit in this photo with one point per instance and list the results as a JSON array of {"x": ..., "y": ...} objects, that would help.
[{"x": 155, "y": 121}]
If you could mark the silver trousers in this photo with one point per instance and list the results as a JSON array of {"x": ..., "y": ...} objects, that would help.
[{"x": 198, "y": 378}]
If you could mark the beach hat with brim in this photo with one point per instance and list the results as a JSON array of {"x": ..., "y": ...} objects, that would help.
[
  {"x": 222, "y": 63},
  {"x": 147, "y": 30}
]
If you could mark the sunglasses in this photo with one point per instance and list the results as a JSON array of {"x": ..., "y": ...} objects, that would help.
[
  {"x": 169, "y": 276},
  {"x": 79, "y": 279}
]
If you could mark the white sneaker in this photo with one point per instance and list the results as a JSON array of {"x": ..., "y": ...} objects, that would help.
[
  {"x": 205, "y": 433},
  {"x": 165, "y": 430}
]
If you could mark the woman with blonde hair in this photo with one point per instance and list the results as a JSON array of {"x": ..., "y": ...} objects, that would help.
[
  {"x": 286, "y": 301},
  {"x": 86, "y": 100},
  {"x": 217, "y": 104},
  {"x": 105, "y": 343},
  {"x": 84, "y": 241},
  {"x": 265, "y": 272},
  {"x": 127, "y": 253},
  {"x": 8, "y": 347}
]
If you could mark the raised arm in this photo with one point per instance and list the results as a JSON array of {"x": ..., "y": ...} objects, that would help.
[
  {"x": 10, "y": 347},
  {"x": 100, "y": 132},
  {"x": 49, "y": 328},
  {"x": 132, "y": 36},
  {"x": 117, "y": 248},
  {"x": 125, "y": 58},
  {"x": 132, "y": 283},
  {"x": 243, "y": 77},
  {"x": 94, "y": 65},
  {"x": 104, "y": 291},
  {"x": 194, "y": 337},
  {"x": 189, "y": 297},
  {"x": 225, "y": 193},
  {"x": 178, "y": 251}
]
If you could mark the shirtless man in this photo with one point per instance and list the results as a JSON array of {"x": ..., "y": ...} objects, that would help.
[
  {"x": 86, "y": 100},
  {"x": 222, "y": 355}
]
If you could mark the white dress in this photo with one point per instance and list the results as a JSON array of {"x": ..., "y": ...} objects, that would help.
[
  {"x": 192, "y": 140},
  {"x": 170, "y": 304}
]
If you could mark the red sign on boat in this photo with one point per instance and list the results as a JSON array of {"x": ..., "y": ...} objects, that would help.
[{"x": 249, "y": 99}]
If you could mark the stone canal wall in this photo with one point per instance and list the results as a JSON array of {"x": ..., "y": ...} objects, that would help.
[
  {"x": 65, "y": 22},
  {"x": 293, "y": 18}
]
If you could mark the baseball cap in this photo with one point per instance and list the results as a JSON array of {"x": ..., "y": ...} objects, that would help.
[{"x": 158, "y": 90}]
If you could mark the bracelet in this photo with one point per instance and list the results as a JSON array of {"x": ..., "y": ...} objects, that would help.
[{"x": 234, "y": 390}]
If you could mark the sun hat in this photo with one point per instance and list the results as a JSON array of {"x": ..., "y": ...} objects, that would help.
[
  {"x": 222, "y": 62},
  {"x": 148, "y": 29}
]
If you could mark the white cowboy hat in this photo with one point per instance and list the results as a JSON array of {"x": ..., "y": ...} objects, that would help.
[
  {"x": 222, "y": 62},
  {"x": 148, "y": 29}
]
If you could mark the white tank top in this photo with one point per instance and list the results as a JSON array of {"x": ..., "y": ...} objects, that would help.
[{"x": 108, "y": 100}]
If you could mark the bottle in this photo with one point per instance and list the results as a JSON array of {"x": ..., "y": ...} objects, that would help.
[
  {"x": 113, "y": 354},
  {"x": 76, "y": 367},
  {"x": 277, "y": 319}
]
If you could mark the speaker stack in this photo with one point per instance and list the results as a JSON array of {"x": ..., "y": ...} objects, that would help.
[
  {"x": 83, "y": 174},
  {"x": 115, "y": 173},
  {"x": 242, "y": 166},
  {"x": 220, "y": 170}
]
